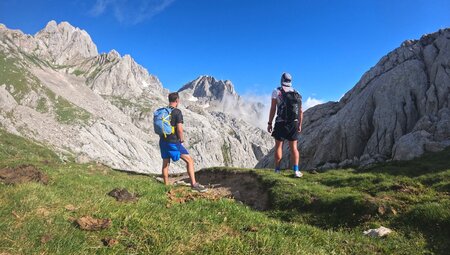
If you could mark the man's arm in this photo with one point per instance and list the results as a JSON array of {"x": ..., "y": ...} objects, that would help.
[
  {"x": 273, "y": 108},
  {"x": 180, "y": 132},
  {"x": 300, "y": 118},
  {"x": 178, "y": 118}
]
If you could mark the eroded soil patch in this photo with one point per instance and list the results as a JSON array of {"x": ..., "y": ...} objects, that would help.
[
  {"x": 22, "y": 174},
  {"x": 92, "y": 224},
  {"x": 123, "y": 195},
  {"x": 242, "y": 186}
]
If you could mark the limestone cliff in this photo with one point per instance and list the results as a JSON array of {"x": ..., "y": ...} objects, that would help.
[{"x": 398, "y": 110}]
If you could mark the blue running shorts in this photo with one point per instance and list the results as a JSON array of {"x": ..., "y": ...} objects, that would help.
[{"x": 172, "y": 150}]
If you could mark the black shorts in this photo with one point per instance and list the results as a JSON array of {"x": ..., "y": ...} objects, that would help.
[{"x": 285, "y": 131}]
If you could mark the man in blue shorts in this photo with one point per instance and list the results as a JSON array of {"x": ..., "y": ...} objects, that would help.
[{"x": 172, "y": 145}]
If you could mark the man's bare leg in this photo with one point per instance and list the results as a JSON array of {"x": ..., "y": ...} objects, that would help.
[
  {"x": 295, "y": 155},
  {"x": 278, "y": 153},
  {"x": 165, "y": 170},
  {"x": 189, "y": 167}
]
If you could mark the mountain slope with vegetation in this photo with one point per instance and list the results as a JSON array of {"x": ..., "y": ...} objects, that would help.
[
  {"x": 57, "y": 89},
  {"x": 322, "y": 213}
]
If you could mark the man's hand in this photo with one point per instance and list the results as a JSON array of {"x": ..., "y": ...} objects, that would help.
[
  {"x": 299, "y": 128},
  {"x": 269, "y": 128}
]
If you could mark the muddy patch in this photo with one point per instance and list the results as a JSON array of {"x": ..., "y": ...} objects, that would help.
[
  {"x": 123, "y": 195},
  {"x": 22, "y": 174},
  {"x": 92, "y": 224},
  {"x": 242, "y": 186}
]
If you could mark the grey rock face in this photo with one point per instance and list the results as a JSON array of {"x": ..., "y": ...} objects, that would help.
[
  {"x": 207, "y": 87},
  {"x": 398, "y": 110},
  {"x": 112, "y": 75},
  {"x": 100, "y": 107},
  {"x": 65, "y": 43}
]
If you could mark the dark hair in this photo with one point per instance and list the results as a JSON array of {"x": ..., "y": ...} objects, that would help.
[{"x": 173, "y": 97}]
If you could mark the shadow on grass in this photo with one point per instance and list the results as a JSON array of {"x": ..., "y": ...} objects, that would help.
[
  {"x": 432, "y": 220},
  {"x": 426, "y": 164}
]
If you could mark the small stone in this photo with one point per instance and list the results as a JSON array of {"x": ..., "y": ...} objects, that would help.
[{"x": 378, "y": 232}]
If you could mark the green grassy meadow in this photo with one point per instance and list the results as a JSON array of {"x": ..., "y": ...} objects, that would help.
[{"x": 322, "y": 213}]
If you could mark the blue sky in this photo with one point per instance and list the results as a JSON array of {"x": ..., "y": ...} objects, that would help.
[{"x": 326, "y": 45}]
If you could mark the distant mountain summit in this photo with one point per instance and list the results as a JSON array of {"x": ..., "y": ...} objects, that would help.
[
  {"x": 397, "y": 111},
  {"x": 219, "y": 96},
  {"x": 65, "y": 43},
  {"x": 57, "y": 89},
  {"x": 207, "y": 87}
]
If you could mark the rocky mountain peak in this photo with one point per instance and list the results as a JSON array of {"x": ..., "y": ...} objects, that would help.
[
  {"x": 66, "y": 43},
  {"x": 424, "y": 49},
  {"x": 108, "y": 103},
  {"x": 113, "y": 54},
  {"x": 51, "y": 26},
  {"x": 208, "y": 87}
]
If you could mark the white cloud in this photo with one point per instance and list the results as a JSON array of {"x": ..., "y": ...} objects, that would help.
[
  {"x": 257, "y": 98},
  {"x": 130, "y": 11},
  {"x": 310, "y": 102},
  {"x": 99, "y": 7},
  {"x": 259, "y": 117}
]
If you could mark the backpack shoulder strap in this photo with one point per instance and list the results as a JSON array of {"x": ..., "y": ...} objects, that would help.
[
  {"x": 169, "y": 109},
  {"x": 282, "y": 91}
]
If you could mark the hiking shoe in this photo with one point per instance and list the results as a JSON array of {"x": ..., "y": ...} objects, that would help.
[
  {"x": 199, "y": 188},
  {"x": 298, "y": 174},
  {"x": 277, "y": 171}
]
